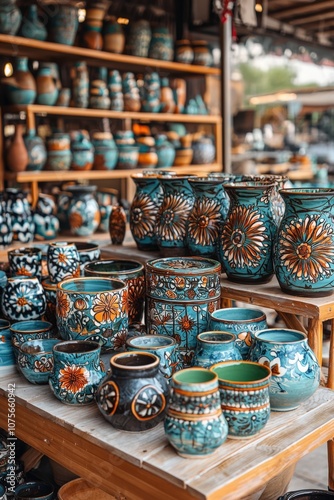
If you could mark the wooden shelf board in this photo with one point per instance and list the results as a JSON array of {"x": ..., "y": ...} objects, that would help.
[
  {"x": 52, "y": 51},
  {"x": 121, "y": 115}
]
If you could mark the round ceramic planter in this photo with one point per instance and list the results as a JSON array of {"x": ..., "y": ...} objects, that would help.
[
  {"x": 63, "y": 261},
  {"x": 23, "y": 299},
  {"x": 35, "y": 359},
  {"x": 23, "y": 331},
  {"x": 215, "y": 346}
]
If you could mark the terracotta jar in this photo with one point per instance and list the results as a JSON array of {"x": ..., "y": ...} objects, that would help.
[{"x": 17, "y": 155}]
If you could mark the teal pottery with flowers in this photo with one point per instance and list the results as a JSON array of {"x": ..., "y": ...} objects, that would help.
[
  {"x": 23, "y": 331},
  {"x": 7, "y": 359},
  {"x": 244, "y": 395},
  {"x": 129, "y": 271},
  {"x": 215, "y": 346},
  {"x": 171, "y": 223},
  {"x": 20, "y": 88},
  {"x": 25, "y": 261},
  {"x": 35, "y": 360},
  {"x": 63, "y": 23},
  {"x": 180, "y": 294},
  {"x": 63, "y": 261},
  {"x": 294, "y": 366},
  {"x": 304, "y": 248},
  {"x": 32, "y": 26},
  {"x": 23, "y": 299},
  {"x": 206, "y": 216},
  {"x": 83, "y": 212},
  {"x": 77, "y": 371},
  {"x": 19, "y": 209},
  {"x": 160, "y": 345},
  {"x": 243, "y": 322},
  {"x": 10, "y": 17},
  {"x": 93, "y": 309},
  {"x": 195, "y": 425},
  {"x": 36, "y": 150},
  {"x": 247, "y": 237},
  {"x": 133, "y": 396}
]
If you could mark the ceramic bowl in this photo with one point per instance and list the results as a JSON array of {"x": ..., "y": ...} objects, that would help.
[
  {"x": 34, "y": 490},
  {"x": 35, "y": 359},
  {"x": 22, "y": 331}
]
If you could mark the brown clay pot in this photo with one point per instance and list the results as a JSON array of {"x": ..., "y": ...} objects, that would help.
[{"x": 16, "y": 154}]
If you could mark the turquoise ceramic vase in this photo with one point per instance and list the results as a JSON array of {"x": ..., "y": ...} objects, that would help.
[
  {"x": 84, "y": 212},
  {"x": 294, "y": 367},
  {"x": 20, "y": 88},
  {"x": 31, "y": 26},
  {"x": 206, "y": 217},
  {"x": 247, "y": 237},
  {"x": 82, "y": 151},
  {"x": 19, "y": 210},
  {"x": 165, "y": 151},
  {"x": 36, "y": 150},
  {"x": 10, "y": 17},
  {"x": 214, "y": 347},
  {"x": 46, "y": 84},
  {"x": 139, "y": 38},
  {"x": 304, "y": 248},
  {"x": 162, "y": 44},
  {"x": 63, "y": 23},
  {"x": 35, "y": 359},
  {"x": 106, "y": 152},
  {"x": 194, "y": 424}
]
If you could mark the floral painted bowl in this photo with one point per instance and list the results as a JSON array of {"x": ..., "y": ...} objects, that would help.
[{"x": 35, "y": 359}]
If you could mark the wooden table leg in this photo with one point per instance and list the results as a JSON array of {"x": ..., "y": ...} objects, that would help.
[
  {"x": 330, "y": 454},
  {"x": 330, "y": 379},
  {"x": 315, "y": 337},
  {"x": 292, "y": 321}
]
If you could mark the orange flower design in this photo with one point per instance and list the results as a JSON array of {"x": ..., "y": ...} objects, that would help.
[
  {"x": 142, "y": 216},
  {"x": 106, "y": 308},
  {"x": 211, "y": 307},
  {"x": 244, "y": 238},
  {"x": 172, "y": 217},
  {"x": 186, "y": 323},
  {"x": 22, "y": 271},
  {"x": 170, "y": 294},
  {"x": 307, "y": 249},
  {"x": 125, "y": 299},
  {"x": 73, "y": 378},
  {"x": 203, "y": 222},
  {"x": 163, "y": 320},
  {"x": 75, "y": 220},
  {"x": 80, "y": 304},
  {"x": 63, "y": 304},
  {"x": 191, "y": 294},
  {"x": 180, "y": 282}
]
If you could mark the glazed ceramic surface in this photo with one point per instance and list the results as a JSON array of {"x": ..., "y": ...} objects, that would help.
[
  {"x": 106, "y": 152},
  {"x": 6, "y": 233},
  {"x": 32, "y": 26},
  {"x": 129, "y": 271},
  {"x": 34, "y": 490},
  {"x": 7, "y": 359},
  {"x": 23, "y": 331},
  {"x": 50, "y": 291},
  {"x": 304, "y": 249},
  {"x": 138, "y": 39},
  {"x": 215, "y": 346},
  {"x": 294, "y": 367},
  {"x": 133, "y": 397},
  {"x": 82, "y": 151},
  {"x": 243, "y": 322},
  {"x": 117, "y": 224},
  {"x": 63, "y": 261},
  {"x": 80, "y": 84},
  {"x": 88, "y": 252},
  {"x": 10, "y": 17},
  {"x": 36, "y": 150},
  {"x": 23, "y": 299},
  {"x": 194, "y": 424},
  {"x": 83, "y": 212},
  {"x": 92, "y": 309},
  {"x": 25, "y": 261},
  {"x": 63, "y": 24},
  {"x": 162, "y": 44},
  {"x": 244, "y": 394},
  {"x": 19, "y": 209},
  {"x": 160, "y": 345},
  {"x": 35, "y": 359},
  {"x": 20, "y": 88},
  {"x": 46, "y": 223},
  {"x": 180, "y": 294},
  {"x": 247, "y": 237}
]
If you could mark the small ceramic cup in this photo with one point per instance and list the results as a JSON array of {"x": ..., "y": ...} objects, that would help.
[
  {"x": 163, "y": 346},
  {"x": 63, "y": 261},
  {"x": 25, "y": 261},
  {"x": 244, "y": 395},
  {"x": 35, "y": 359},
  {"x": 34, "y": 490},
  {"x": 213, "y": 347},
  {"x": 23, "y": 299},
  {"x": 22, "y": 331}
]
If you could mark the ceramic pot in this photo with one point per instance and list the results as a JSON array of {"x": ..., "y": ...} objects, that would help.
[
  {"x": 204, "y": 151},
  {"x": 31, "y": 26},
  {"x": 304, "y": 248},
  {"x": 139, "y": 38},
  {"x": 64, "y": 97},
  {"x": 20, "y": 88},
  {"x": 25, "y": 261},
  {"x": 161, "y": 45},
  {"x": 88, "y": 252},
  {"x": 294, "y": 367},
  {"x": 17, "y": 157},
  {"x": 6, "y": 353},
  {"x": 59, "y": 152},
  {"x": 24, "y": 331},
  {"x": 99, "y": 92},
  {"x": 133, "y": 397},
  {"x": 183, "y": 157},
  {"x": 19, "y": 209},
  {"x": 80, "y": 85},
  {"x": 165, "y": 151},
  {"x": 129, "y": 271},
  {"x": 173, "y": 213},
  {"x": 63, "y": 203},
  {"x": 46, "y": 223},
  {"x": 77, "y": 371},
  {"x": 242, "y": 322},
  {"x": 128, "y": 157},
  {"x": 180, "y": 293},
  {"x": 113, "y": 36},
  {"x": 202, "y": 53},
  {"x": 244, "y": 395},
  {"x": 82, "y": 151},
  {"x": 147, "y": 157},
  {"x": 206, "y": 217},
  {"x": 92, "y": 309},
  {"x": 23, "y": 299},
  {"x": 63, "y": 23},
  {"x": 34, "y": 490},
  {"x": 184, "y": 52},
  {"x": 83, "y": 213},
  {"x": 10, "y": 18},
  {"x": 35, "y": 359},
  {"x": 117, "y": 224},
  {"x": 6, "y": 233},
  {"x": 92, "y": 29},
  {"x": 63, "y": 261},
  {"x": 46, "y": 85},
  {"x": 194, "y": 423},
  {"x": 37, "y": 154},
  {"x": 214, "y": 347},
  {"x": 106, "y": 199},
  {"x": 106, "y": 152},
  {"x": 247, "y": 238},
  {"x": 167, "y": 103}
]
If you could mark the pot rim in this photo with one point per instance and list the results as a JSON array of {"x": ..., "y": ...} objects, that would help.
[
  {"x": 215, "y": 266},
  {"x": 260, "y": 317},
  {"x": 67, "y": 281},
  {"x": 242, "y": 362},
  {"x": 153, "y": 364},
  {"x": 138, "y": 267},
  {"x": 302, "y": 338},
  {"x": 171, "y": 340}
]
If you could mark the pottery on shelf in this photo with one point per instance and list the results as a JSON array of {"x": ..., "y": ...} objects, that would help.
[
  {"x": 59, "y": 152},
  {"x": 82, "y": 151},
  {"x": 99, "y": 92},
  {"x": 83, "y": 212},
  {"x": 204, "y": 150},
  {"x": 202, "y": 53},
  {"x": 165, "y": 151},
  {"x": 92, "y": 27},
  {"x": 161, "y": 45},
  {"x": 6, "y": 233},
  {"x": 32, "y": 26},
  {"x": 10, "y": 17},
  {"x": 63, "y": 23},
  {"x": 184, "y": 52},
  {"x": 16, "y": 153},
  {"x": 46, "y": 86},
  {"x": 20, "y": 88},
  {"x": 106, "y": 152},
  {"x": 113, "y": 36},
  {"x": 80, "y": 85},
  {"x": 37, "y": 154},
  {"x": 167, "y": 102},
  {"x": 139, "y": 38},
  {"x": 19, "y": 209},
  {"x": 25, "y": 261}
]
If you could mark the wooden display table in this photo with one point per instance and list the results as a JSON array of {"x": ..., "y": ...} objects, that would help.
[{"x": 144, "y": 465}]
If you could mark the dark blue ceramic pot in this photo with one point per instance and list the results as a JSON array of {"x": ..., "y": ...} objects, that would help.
[
  {"x": 63, "y": 23},
  {"x": 6, "y": 233}
]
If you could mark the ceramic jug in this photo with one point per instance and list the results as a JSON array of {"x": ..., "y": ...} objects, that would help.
[
  {"x": 32, "y": 26},
  {"x": 17, "y": 158}
]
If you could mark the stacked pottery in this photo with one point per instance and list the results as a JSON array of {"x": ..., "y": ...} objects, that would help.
[
  {"x": 63, "y": 23},
  {"x": 165, "y": 151},
  {"x": 82, "y": 151},
  {"x": 130, "y": 92},
  {"x": 162, "y": 45},
  {"x": 184, "y": 52},
  {"x": 92, "y": 29},
  {"x": 37, "y": 154},
  {"x": 16, "y": 153},
  {"x": 45, "y": 220},
  {"x": 128, "y": 151},
  {"x": 47, "y": 91},
  {"x": 10, "y": 17},
  {"x": 19, "y": 209},
  {"x": 167, "y": 103},
  {"x": 113, "y": 36},
  {"x": 139, "y": 38},
  {"x": 31, "y": 26},
  {"x": 80, "y": 85},
  {"x": 115, "y": 90},
  {"x": 106, "y": 152},
  {"x": 151, "y": 93},
  {"x": 99, "y": 93},
  {"x": 180, "y": 295},
  {"x": 83, "y": 212},
  {"x": 148, "y": 157},
  {"x": 20, "y": 88},
  {"x": 59, "y": 151},
  {"x": 202, "y": 53}
]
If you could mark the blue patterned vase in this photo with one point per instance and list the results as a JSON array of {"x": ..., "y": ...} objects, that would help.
[
  {"x": 46, "y": 223},
  {"x": 133, "y": 397},
  {"x": 23, "y": 298},
  {"x": 304, "y": 248},
  {"x": 21, "y": 218},
  {"x": 63, "y": 23},
  {"x": 77, "y": 371},
  {"x": 63, "y": 261},
  {"x": 83, "y": 213},
  {"x": 244, "y": 395},
  {"x": 195, "y": 425},
  {"x": 180, "y": 294},
  {"x": 214, "y": 347},
  {"x": 25, "y": 261},
  {"x": 173, "y": 213},
  {"x": 243, "y": 322},
  {"x": 294, "y": 367},
  {"x": 206, "y": 217},
  {"x": 247, "y": 237}
]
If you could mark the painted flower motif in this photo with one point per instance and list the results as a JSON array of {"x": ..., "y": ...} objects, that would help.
[
  {"x": 306, "y": 248},
  {"x": 73, "y": 378},
  {"x": 244, "y": 238},
  {"x": 143, "y": 216},
  {"x": 191, "y": 293},
  {"x": 203, "y": 222},
  {"x": 186, "y": 323},
  {"x": 274, "y": 364},
  {"x": 170, "y": 294},
  {"x": 106, "y": 307},
  {"x": 43, "y": 365},
  {"x": 172, "y": 217},
  {"x": 120, "y": 339},
  {"x": 20, "y": 298},
  {"x": 63, "y": 304},
  {"x": 22, "y": 271},
  {"x": 80, "y": 304},
  {"x": 148, "y": 403},
  {"x": 108, "y": 398},
  {"x": 180, "y": 282},
  {"x": 211, "y": 307},
  {"x": 75, "y": 220},
  {"x": 163, "y": 319}
]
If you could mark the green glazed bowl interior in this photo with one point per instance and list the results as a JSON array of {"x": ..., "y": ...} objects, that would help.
[
  {"x": 91, "y": 285},
  {"x": 241, "y": 371},
  {"x": 113, "y": 266},
  {"x": 194, "y": 376},
  {"x": 277, "y": 335},
  {"x": 237, "y": 314}
]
